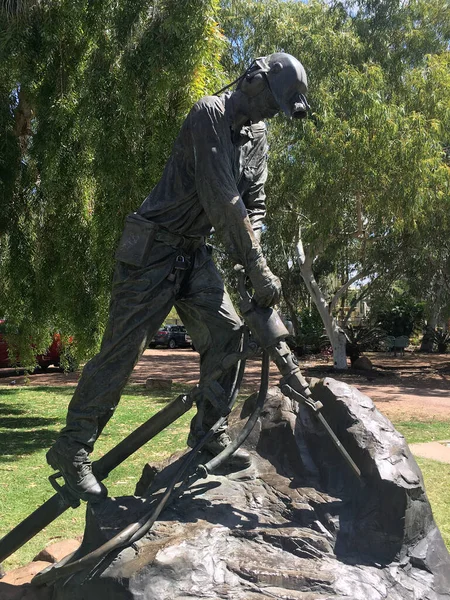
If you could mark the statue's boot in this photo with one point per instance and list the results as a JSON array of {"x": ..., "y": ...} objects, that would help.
[
  {"x": 239, "y": 460},
  {"x": 77, "y": 473}
]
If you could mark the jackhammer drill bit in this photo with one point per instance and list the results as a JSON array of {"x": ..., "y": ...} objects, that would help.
[{"x": 271, "y": 334}]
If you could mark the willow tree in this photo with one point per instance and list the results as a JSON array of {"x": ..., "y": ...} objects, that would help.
[
  {"x": 92, "y": 95},
  {"x": 351, "y": 184}
]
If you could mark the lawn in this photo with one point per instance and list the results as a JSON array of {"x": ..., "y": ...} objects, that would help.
[{"x": 30, "y": 419}]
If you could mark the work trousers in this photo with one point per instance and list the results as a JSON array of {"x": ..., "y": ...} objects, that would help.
[{"x": 141, "y": 300}]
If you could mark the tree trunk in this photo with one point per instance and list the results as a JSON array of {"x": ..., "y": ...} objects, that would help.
[
  {"x": 427, "y": 342},
  {"x": 292, "y": 315},
  {"x": 339, "y": 344},
  {"x": 334, "y": 332},
  {"x": 23, "y": 115}
]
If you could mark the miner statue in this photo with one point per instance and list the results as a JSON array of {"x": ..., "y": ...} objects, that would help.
[{"x": 213, "y": 179}]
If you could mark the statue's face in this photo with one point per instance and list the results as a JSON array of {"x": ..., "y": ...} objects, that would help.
[{"x": 262, "y": 106}]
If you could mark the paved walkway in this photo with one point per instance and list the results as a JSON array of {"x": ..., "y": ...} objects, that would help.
[{"x": 439, "y": 451}]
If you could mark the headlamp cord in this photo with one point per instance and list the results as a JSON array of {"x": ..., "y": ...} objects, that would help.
[{"x": 263, "y": 68}]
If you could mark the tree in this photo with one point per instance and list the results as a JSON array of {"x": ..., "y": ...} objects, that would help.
[
  {"x": 91, "y": 98},
  {"x": 355, "y": 182},
  {"x": 399, "y": 313},
  {"x": 428, "y": 267}
]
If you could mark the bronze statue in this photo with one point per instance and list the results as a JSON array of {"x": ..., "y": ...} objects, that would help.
[{"x": 214, "y": 178}]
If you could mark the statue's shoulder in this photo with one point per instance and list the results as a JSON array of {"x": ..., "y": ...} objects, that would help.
[{"x": 212, "y": 105}]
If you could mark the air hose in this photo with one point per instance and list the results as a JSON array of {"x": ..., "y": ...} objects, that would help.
[
  {"x": 135, "y": 531},
  {"x": 251, "y": 422}
]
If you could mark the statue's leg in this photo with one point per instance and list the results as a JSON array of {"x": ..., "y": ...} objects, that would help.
[
  {"x": 211, "y": 320},
  {"x": 141, "y": 299}
]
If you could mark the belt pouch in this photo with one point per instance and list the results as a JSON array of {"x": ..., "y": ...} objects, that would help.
[{"x": 136, "y": 241}]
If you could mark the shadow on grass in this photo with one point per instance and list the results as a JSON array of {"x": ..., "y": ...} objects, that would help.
[
  {"x": 159, "y": 396},
  {"x": 45, "y": 389},
  {"x": 16, "y": 443},
  {"x": 9, "y": 418},
  {"x": 25, "y": 422},
  {"x": 6, "y": 409},
  {"x": 22, "y": 433},
  {"x": 131, "y": 389}
]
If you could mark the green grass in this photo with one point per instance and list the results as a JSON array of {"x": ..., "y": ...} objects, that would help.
[
  {"x": 436, "y": 474},
  {"x": 437, "y": 484},
  {"x": 31, "y": 417},
  {"x": 424, "y": 431}
]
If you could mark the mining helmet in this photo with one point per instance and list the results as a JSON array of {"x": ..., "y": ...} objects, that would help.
[{"x": 286, "y": 79}]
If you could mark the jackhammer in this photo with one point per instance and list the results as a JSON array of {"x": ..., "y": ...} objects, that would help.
[{"x": 267, "y": 332}]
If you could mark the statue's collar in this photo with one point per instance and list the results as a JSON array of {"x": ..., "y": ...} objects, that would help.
[{"x": 245, "y": 134}]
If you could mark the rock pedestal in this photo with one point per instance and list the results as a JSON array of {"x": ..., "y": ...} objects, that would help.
[{"x": 298, "y": 525}]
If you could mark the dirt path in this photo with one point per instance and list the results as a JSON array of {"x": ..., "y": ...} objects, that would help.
[
  {"x": 413, "y": 386},
  {"x": 180, "y": 365}
]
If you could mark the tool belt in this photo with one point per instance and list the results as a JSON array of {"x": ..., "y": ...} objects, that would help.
[
  {"x": 188, "y": 243},
  {"x": 138, "y": 238}
]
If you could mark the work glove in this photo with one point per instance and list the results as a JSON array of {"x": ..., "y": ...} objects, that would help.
[{"x": 266, "y": 285}]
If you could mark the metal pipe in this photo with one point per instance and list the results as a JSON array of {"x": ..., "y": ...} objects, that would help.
[
  {"x": 141, "y": 436},
  {"x": 56, "y": 505},
  {"x": 33, "y": 524},
  {"x": 339, "y": 446}
]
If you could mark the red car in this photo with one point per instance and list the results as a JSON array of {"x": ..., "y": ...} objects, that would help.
[{"x": 51, "y": 357}]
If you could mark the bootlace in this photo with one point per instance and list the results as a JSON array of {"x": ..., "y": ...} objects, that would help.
[{"x": 83, "y": 467}]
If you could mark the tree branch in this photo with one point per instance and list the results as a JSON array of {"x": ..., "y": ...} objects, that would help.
[
  {"x": 355, "y": 301},
  {"x": 345, "y": 287}
]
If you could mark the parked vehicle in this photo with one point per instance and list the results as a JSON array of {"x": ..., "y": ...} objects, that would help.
[
  {"x": 51, "y": 357},
  {"x": 189, "y": 341},
  {"x": 170, "y": 336}
]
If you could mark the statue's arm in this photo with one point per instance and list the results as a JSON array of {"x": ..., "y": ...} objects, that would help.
[
  {"x": 255, "y": 174},
  {"x": 216, "y": 186}
]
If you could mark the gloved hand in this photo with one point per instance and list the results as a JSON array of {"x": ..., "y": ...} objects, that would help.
[{"x": 266, "y": 285}]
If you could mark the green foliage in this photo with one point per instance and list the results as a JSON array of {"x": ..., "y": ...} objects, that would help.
[
  {"x": 91, "y": 97},
  {"x": 364, "y": 181},
  {"x": 399, "y": 34},
  {"x": 401, "y": 316},
  {"x": 442, "y": 339},
  {"x": 93, "y": 94},
  {"x": 361, "y": 338},
  {"x": 309, "y": 336}
]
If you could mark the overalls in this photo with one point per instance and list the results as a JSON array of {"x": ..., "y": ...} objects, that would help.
[{"x": 186, "y": 202}]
